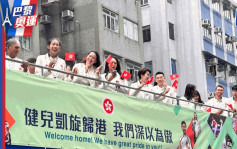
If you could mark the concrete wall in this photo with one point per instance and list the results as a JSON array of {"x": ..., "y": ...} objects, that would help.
[
  {"x": 117, "y": 43},
  {"x": 186, "y": 48},
  {"x": 83, "y": 39}
]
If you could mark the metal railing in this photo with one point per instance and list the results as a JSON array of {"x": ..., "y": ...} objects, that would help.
[{"x": 104, "y": 82}]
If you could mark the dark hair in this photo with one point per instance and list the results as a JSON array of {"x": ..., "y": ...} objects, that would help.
[
  {"x": 118, "y": 68},
  {"x": 183, "y": 122},
  {"x": 31, "y": 60},
  {"x": 234, "y": 88},
  {"x": 159, "y": 72},
  {"x": 59, "y": 41},
  {"x": 69, "y": 66},
  {"x": 197, "y": 94},
  {"x": 142, "y": 71},
  {"x": 219, "y": 86},
  {"x": 189, "y": 91},
  {"x": 97, "y": 63}
]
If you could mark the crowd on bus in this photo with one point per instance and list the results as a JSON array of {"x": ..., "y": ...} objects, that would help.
[{"x": 91, "y": 67}]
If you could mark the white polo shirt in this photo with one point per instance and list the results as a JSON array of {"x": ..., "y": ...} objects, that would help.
[
  {"x": 13, "y": 65},
  {"x": 219, "y": 104},
  {"x": 185, "y": 142}
]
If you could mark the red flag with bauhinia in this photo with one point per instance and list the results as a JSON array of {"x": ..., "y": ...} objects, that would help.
[
  {"x": 84, "y": 58},
  {"x": 108, "y": 60},
  {"x": 175, "y": 84},
  {"x": 208, "y": 110},
  {"x": 126, "y": 75},
  {"x": 70, "y": 56},
  {"x": 174, "y": 76},
  {"x": 149, "y": 80},
  {"x": 230, "y": 105}
]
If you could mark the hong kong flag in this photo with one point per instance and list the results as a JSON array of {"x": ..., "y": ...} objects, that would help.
[
  {"x": 230, "y": 105},
  {"x": 126, "y": 75},
  {"x": 208, "y": 110},
  {"x": 70, "y": 56},
  {"x": 175, "y": 84},
  {"x": 108, "y": 60},
  {"x": 149, "y": 80},
  {"x": 84, "y": 58},
  {"x": 174, "y": 76}
]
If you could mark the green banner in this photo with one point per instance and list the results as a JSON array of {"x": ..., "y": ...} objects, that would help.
[{"x": 58, "y": 114}]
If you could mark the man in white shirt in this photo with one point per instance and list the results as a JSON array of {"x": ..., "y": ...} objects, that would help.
[
  {"x": 232, "y": 101},
  {"x": 196, "y": 127},
  {"x": 218, "y": 101},
  {"x": 184, "y": 141},
  {"x": 13, "y": 48},
  {"x": 160, "y": 87}
]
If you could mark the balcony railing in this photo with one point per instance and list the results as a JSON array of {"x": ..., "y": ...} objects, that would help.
[{"x": 154, "y": 94}]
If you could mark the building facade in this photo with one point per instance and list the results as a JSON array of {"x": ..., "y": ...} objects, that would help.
[
  {"x": 109, "y": 27},
  {"x": 194, "y": 39}
]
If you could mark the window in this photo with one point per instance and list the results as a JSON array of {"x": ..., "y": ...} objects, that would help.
[
  {"x": 229, "y": 45},
  {"x": 67, "y": 26},
  {"x": 221, "y": 71},
  {"x": 169, "y": 1},
  {"x": 171, "y": 30},
  {"x": 110, "y": 20},
  {"x": 173, "y": 66},
  {"x": 226, "y": 10},
  {"x": 132, "y": 69},
  {"x": 216, "y": 6},
  {"x": 226, "y": 14},
  {"x": 146, "y": 33},
  {"x": 149, "y": 65},
  {"x": 218, "y": 38},
  {"x": 144, "y": 2},
  {"x": 210, "y": 68},
  {"x": 130, "y": 29},
  {"x": 207, "y": 32},
  {"x": 25, "y": 42}
]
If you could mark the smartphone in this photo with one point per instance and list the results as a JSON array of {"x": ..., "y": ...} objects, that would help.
[{"x": 114, "y": 72}]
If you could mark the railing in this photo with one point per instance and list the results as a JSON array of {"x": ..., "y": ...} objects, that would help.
[{"x": 154, "y": 94}]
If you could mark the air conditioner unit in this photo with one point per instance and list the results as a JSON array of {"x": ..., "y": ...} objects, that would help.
[
  {"x": 217, "y": 30},
  {"x": 67, "y": 14},
  {"x": 213, "y": 61},
  {"x": 228, "y": 39},
  {"x": 233, "y": 73},
  {"x": 221, "y": 68},
  {"x": 233, "y": 39},
  {"x": 48, "y": 2},
  {"x": 215, "y": 1},
  {"x": 45, "y": 19},
  {"x": 206, "y": 23},
  {"x": 227, "y": 6}
]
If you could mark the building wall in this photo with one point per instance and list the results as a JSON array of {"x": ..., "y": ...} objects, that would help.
[
  {"x": 189, "y": 46},
  {"x": 117, "y": 43},
  {"x": 83, "y": 38},
  {"x": 186, "y": 46}
]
